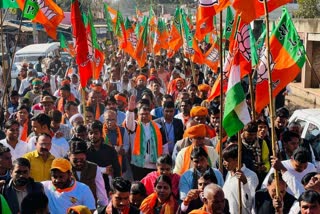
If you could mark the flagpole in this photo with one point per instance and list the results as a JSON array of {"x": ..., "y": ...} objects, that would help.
[
  {"x": 271, "y": 105},
  {"x": 8, "y": 78},
  {"x": 221, "y": 97},
  {"x": 252, "y": 99},
  {"x": 239, "y": 168},
  {"x": 83, "y": 90}
]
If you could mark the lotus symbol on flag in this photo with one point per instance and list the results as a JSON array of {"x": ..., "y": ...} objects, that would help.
[
  {"x": 262, "y": 74},
  {"x": 243, "y": 38}
]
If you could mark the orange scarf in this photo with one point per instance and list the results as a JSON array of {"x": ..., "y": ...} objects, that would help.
[
  {"x": 109, "y": 209},
  {"x": 97, "y": 116},
  {"x": 24, "y": 133},
  {"x": 187, "y": 159},
  {"x": 219, "y": 144},
  {"x": 118, "y": 143},
  {"x": 61, "y": 103},
  {"x": 202, "y": 210},
  {"x": 149, "y": 203},
  {"x": 139, "y": 138}
]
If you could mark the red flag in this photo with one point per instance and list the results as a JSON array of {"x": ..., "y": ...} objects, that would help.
[
  {"x": 253, "y": 9},
  {"x": 81, "y": 43}
]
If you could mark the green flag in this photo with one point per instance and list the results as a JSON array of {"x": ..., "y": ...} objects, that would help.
[
  {"x": 229, "y": 23},
  {"x": 31, "y": 9},
  {"x": 63, "y": 41},
  {"x": 93, "y": 31},
  {"x": 262, "y": 38},
  {"x": 254, "y": 54},
  {"x": 8, "y": 4},
  {"x": 107, "y": 17}
]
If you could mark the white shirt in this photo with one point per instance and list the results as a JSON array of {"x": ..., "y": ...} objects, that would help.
[
  {"x": 59, "y": 147},
  {"x": 298, "y": 175},
  {"x": 17, "y": 152},
  {"x": 78, "y": 194},
  {"x": 100, "y": 188},
  {"x": 131, "y": 125},
  {"x": 231, "y": 191}
]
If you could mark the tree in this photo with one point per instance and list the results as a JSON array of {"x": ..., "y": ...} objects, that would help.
[{"x": 308, "y": 9}]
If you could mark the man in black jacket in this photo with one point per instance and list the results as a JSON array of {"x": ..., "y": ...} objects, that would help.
[
  {"x": 267, "y": 202},
  {"x": 20, "y": 185},
  {"x": 171, "y": 128}
]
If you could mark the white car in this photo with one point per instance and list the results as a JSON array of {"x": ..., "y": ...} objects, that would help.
[{"x": 309, "y": 120}]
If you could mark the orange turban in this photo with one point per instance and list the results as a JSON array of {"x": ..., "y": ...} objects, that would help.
[
  {"x": 204, "y": 87},
  {"x": 120, "y": 98},
  {"x": 141, "y": 76},
  {"x": 179, "y": 79},
  {"x": 198, "y": 111},
  {"x": 196, "y": 131},
  {"x": 65, "y": 82}
]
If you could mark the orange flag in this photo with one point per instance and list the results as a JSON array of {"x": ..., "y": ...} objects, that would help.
[
  {"x": 253, "y": 9},
  {"x": 140, "y": 53},
  {"x": 131, "y": 38},
  {"x": 175, "y": 37},
  {"x": 207, "y": 9},
  {"x": 45, "y": 12}
]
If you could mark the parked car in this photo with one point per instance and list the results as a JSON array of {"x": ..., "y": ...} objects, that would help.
[{"x": 309, "y": 120}]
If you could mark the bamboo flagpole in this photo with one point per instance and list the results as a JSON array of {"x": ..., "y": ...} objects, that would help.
[
  {"x": 221, "y": 97},
  {"x": 271, "y": 105},
  {"x": 239, "y": 168},
  {"x": 253, "y": 112},
  {"x": 8, "y": 78}
]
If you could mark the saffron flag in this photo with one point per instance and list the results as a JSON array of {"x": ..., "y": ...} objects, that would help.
[
  {"x": 215, "y": 91},
  {"x": 206, "y": 11},
  {"x": 152, "y": 18},
  {"x": 253, "y": 9},
  {"x": 287, "y": 57},
  {"x": 175, "y": 37},
  {"x": 120, "y": 32},
  {"x": 236, "y": 114},
  {"x": 108, "y": 18},
  {"x": 83, "y": 58},
  {"x": 190, "y": 46},
  {"x": 97, "y": 54},
  {"x": 211, "y": 57},
  {"x": 131, "y": 38},
  {"x": 45, "y": 12},
  {"x": 113, "y": 13},
  {"x": 160, "y": 37},
  {"x": 140, "y": 53},
  {"x": 8, "y": 4}
]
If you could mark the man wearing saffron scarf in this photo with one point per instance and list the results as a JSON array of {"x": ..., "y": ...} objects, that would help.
[
  {"x": 94, "y": 98},
  {"x": 22, "y": 117},
  {"x": 116, "y": 136},
  {"x": 65, "y": 96},
  {"x": 63, "y": 191},
  {"x": 147, "y": 144},
  {"x": 197, "y": 135},
  {"x": 122, "y": 102},
  {"x": 120, "y": 203}
]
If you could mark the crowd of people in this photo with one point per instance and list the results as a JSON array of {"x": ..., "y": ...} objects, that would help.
[{"x": 144, "y": 140}]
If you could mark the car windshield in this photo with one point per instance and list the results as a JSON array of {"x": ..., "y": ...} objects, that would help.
[{"x": 31, "y": 58}]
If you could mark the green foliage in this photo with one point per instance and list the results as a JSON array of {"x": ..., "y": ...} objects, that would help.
[{"x": 308, "y": 9}]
